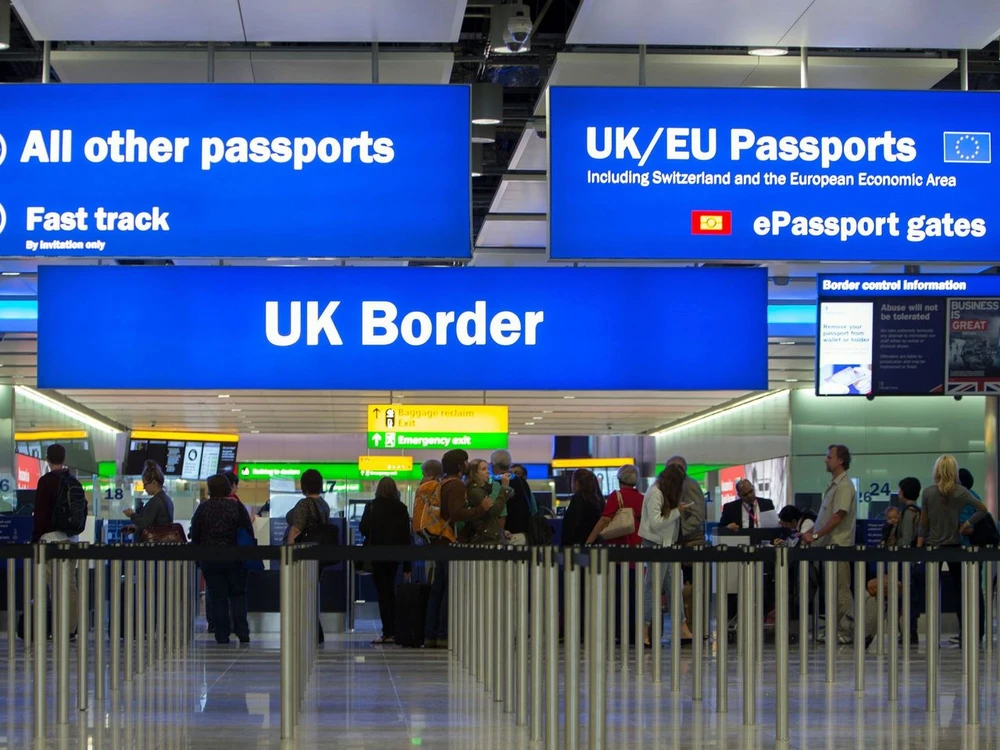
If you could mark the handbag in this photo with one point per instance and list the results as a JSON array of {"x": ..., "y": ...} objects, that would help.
[
  {"x": 622, "y": 523},
  {"x": 168, "y": 533},
  {"x": 245, "y": 539}
]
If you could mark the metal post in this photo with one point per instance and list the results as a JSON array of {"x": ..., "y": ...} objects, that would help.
[
  {"x": 11, "y": 606},
  {"x": 479, "y": 670},
  {"x": 972, "y": 683},
  {"x": 82, "y": 633},
  {"x": 499, "y": 590},
  {"x": 375, "y": 61},
  {"x": 697, "y": 614},
  {"x": 721, "y": 638},
  {"x": 100, "y": 623},
  {"x": 596, "y": 704},
  {"x": 161, "y": 608},
  {"x": 880, "y": 604},
  {"x": 611, "y": 574},
  {"x": 860, "y": 593},
  {"x": 906, "y": 597},
  {"x": 676, "y": 620},
  {"x": 115, "y": 624},
  {"x": 963, "y": 69},
  {"x": 749, "y": 649},
  {"x": 932, "y": 614},
  {"x": 803, "y": 617},
  {"x": 455, "y": 607},
  {"x": 288, "y": 657},
  {"x": 640, "y": 619},
  {"x": 137, "y": 582},
  {"x": 537, "y": 599},
  {"x": 803, "y": 67},
  {"x": 26, "y": 607},
  {"x": 988, "y": 604},
  {"x": 894, "y": 630},
  {"x": 489, "y": 625},
  {"x": 60, "y": 639},
  {"x": 781, "y": 633},
  {"x": 210, "y": 75},
  {"x": 830, "y": 582},
  {"x": 571, "y": 640},
  {"x": 522, "y": 643},
  {"x": 41, "y": 636},
  {"x": 656, "y": 619},
  {"x": 150, "y": 568},
  {"x": 642, "y": 64},
  {"x": 623, "y": 602},
  {"x": 551, "y": 650},
  {"x": 759, "y": 613},
  {"x": 508, "y": 638},
  {"x": 741, "y": 610},
  {"x": 168, "y": 631}
]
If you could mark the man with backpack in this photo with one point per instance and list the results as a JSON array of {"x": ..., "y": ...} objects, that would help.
[
  {"x": 60, "y": 515},
  {"x": 453, "y": 511}
]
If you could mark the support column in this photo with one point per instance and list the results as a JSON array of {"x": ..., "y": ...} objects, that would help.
[{"x": 804, "y": 67}]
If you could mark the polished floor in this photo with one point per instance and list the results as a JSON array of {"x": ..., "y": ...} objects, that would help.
[{"x": 362, "y": 696}]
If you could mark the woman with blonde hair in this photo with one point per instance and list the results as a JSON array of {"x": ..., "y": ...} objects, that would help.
[{"x": 941, "y": 505}]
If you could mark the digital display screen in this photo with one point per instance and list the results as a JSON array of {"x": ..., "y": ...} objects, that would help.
[
  {"x": 908, "y": 335},
  {"x": 178, "y": 458}
]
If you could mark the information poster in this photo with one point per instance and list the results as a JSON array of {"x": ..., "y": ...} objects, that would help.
[
  {"x": 908, "y": 335},
  {"x": 973, "y": 336},
  {"x": 845, "y": 346}
]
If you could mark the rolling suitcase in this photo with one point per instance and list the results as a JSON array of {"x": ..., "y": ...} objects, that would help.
[{"x": 411, "y": 610}]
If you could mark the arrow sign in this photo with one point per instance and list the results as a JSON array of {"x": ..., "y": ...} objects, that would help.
[
  {"x": 377, "y": 439},
  {"x": 376, "y": 411}
]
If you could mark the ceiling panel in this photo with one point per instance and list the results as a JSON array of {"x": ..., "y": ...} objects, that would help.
[
  {"x": 531, "y": 153},
  {"x": 244, "y": 20},
  {"x": 521, "y": 194},
  {"x": 352, "y": 20},
  {"x": 508, "y": 230},
  {"x": 816, "y": 23},
  {"x": 261, "y": 66},
  {"x": 128, "y": 20},
  {"x": 728, "y": 71}
]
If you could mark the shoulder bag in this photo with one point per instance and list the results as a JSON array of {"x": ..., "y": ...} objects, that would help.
[
  {"x": 622, "y": 523},
  {"x": 172, "y": 533}
]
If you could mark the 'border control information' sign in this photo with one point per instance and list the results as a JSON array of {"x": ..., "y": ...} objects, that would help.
[
  {"x": 443, "y": 427},
  {"x": 908, "y": 335},
  {"x": 771, "y": 174},
  {"x": 235, "y": 170},
  {"x": 390, "y": 328}
]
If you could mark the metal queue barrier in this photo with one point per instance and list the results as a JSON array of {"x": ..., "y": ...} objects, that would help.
[{"x": 517, "y": 657}]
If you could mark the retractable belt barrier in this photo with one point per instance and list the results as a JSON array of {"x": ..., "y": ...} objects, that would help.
[{"x": 515, "y": 650}]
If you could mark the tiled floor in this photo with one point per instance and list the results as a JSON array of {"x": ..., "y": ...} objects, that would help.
[{"x": 367, "y": 697}]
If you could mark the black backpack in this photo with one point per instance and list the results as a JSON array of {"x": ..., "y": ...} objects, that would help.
[
  {"x": 984, "y": 533},
  {"x": 69, "y": 514}
]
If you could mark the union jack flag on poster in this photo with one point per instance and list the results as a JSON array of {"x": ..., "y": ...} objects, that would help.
[{"x": 973, "y": 346}]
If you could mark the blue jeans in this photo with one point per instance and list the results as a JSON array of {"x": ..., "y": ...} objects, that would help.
[
  {"x": 663, "y": 584},
  {"x": 436, "y": 623}
]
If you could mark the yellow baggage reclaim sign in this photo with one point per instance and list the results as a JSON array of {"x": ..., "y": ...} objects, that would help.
[{"x": 437, "y": 427}]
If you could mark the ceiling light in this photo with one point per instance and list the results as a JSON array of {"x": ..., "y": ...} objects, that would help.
[
  {"x": 10, "y": 273},
  {"x": 69, "y": 411},
  {"x": 484, "y": 133},
  {"x": 223, "y": 395},
  {"x": 513, "y": 433},
  {"x": 547, "y": 411},
  {"x": 235, "y": 410},
  {"x": 529, "y": 424},
  {"x": 569, "y": 398},
  {"x": 791, "y": 380},
  {"x": 767, "y": 51},
  {"x": 487, "y": 104},
  {"x": 254, "y": 432},
  {"x": 476, "y": 159},
  {"x": 538, "y": 419},
  {"x": 786, "y": 343}
]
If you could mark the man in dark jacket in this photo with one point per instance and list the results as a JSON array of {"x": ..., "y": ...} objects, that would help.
[
  {"x": 521, "y": 506},
  {"x": 747, "y": 510}
]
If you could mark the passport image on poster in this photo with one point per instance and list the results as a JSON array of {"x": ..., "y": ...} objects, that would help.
[
  {"x": 973, "y": 354},
  {"x": 909, "y": 346}
]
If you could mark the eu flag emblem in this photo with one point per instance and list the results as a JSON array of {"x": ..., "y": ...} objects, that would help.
[{"x": 960, "y": 147}]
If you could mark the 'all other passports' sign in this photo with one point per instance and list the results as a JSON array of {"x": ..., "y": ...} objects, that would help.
[
  {"x": 229, "y": 170},
  {"x": 770, "y": 174}
]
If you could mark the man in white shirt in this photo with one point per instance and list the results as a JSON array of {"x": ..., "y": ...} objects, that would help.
[{"x": 835, "y": 528}]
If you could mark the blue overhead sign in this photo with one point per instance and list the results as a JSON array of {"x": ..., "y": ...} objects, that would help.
[
  {"x": 235, "y": 171},
  {"x": 413, "y": 328},
  {"x": 772, "y": 174}
]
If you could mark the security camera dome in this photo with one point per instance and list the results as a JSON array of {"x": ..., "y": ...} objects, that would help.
[{"x": 519, "y": 27}]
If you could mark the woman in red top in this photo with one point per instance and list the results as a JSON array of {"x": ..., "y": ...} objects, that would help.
[{"x": 626, "y": 497}]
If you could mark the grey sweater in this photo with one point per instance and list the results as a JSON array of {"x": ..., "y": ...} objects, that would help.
[
  {"x": 939, "y": 515},
  {"x": 158, "y": 511}
]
